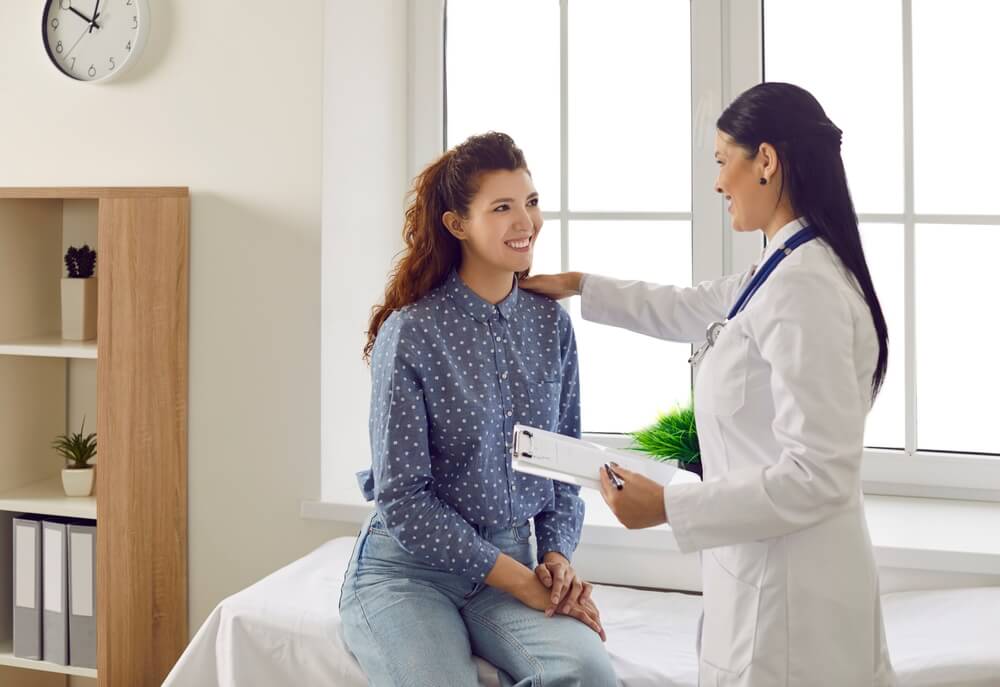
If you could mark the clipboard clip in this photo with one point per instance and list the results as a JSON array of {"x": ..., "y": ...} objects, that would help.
[{"x": 522, "y": 437}]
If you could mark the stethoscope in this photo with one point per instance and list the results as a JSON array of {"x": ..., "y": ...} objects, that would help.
[{"x": 715, "y": 329}]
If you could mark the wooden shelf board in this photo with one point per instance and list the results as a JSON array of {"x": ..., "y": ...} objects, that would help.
[
  {"x": 52, "y": 346},
  {"x": 93, "y": 192},
  {"x": 46, "y": 497},
  {"x": 7, "y": 658}
]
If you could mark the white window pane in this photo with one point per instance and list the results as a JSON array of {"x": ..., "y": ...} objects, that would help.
[
  {"x": 629, "y": 106},
  {"x": 502, "y": 70},
  {"x": 546, "y": 254},
  {"x": 883, "y": 243},
  {"x": 849, "y": 55},
  {"x": 955, "y": 101},
  {"x": 627, "y": 379},
  {"x": 958, "y": 370}
]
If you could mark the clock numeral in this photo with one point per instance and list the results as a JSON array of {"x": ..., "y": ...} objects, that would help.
[
  {"x": 55, "y": 23},
  {"x": 111, "y": 64},
  {"x": 65, "y": 4},
  {"x": 129, "y": 3},
  {"x": 72, "y": 65},
  {"x": 135, "y": 22},
  {"x": 128, "y": 46},
  {"x": 92, "y": 72},
  {"x": 59, "y": 47}
]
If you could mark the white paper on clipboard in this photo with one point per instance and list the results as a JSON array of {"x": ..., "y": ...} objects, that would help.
[{"x": 555, "y": 456}]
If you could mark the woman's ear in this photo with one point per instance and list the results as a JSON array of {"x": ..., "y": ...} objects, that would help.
[
  {"x": 767, "y": 159},
  {"x": 453, "y": 223}
]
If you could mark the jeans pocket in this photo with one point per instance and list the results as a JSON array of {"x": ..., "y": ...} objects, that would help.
[{"x": 522, "y": 533}]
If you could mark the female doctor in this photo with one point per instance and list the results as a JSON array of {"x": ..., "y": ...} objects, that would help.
[{"x": 793, "y": 354}]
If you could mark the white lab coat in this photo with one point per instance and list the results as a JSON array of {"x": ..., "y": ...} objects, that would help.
[{"x": 791, "y": 595}]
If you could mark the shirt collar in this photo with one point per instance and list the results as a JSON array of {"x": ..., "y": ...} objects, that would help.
[
  {"x": 783, "y": 234},
  {"x": 478, "y": 308}
]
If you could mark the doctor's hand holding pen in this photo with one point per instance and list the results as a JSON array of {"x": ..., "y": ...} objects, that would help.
[{"x": 636, "y": 501}]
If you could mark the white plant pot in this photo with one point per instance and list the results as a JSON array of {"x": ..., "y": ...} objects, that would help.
[
  {"x": 78, "y": 482},
  {"x": 79, "y": 309}
]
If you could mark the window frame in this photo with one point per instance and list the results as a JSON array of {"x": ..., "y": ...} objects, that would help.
[{"x": 727, "y": 57}]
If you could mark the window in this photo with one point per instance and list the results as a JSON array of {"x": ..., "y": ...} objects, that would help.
[
  {"x": 598, "y": 95},
  {"x": 614, "y": 105},
  {"x": 907, "y": 93}
]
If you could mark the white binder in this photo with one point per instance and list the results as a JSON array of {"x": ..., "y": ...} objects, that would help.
[
  {"x": 55, "y": 623},
  {"x": 82, "y": 595},
  {"x": 28, "y": 587},
  {"x": 555, "y": 456}
]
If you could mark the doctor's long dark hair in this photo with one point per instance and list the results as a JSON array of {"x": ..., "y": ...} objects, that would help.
[{"x": 808, "y": 146}]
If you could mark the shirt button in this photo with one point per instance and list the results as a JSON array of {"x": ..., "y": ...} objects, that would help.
[
  {"x": 503, "y": 376},
  {"x": 509, "y": 413},
  {"x": 499, "y": 338}
]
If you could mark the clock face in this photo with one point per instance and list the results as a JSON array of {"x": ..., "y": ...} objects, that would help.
[{"x": 93, "y": 40}]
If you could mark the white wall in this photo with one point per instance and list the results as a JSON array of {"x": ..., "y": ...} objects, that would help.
[
  {"x": 364, "y": 187},
  {"x": 227, "y": 101}
]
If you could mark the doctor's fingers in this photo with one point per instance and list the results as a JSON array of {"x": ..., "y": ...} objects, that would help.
[
  {"x": 608, "y": 490},
  {"x": 555, "y": 286},
  {"x": 585, "y": 595}
]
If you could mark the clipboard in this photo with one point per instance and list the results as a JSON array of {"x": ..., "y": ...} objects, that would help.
[{"x": 576, "y": 461}]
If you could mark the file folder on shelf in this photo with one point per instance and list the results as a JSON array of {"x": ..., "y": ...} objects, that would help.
[
  {"x": 555, "y": 456},
  {"x": 55, "y": 624},
  {"x": 27, "y": 588},
  {"x": 82, "y": 599}
]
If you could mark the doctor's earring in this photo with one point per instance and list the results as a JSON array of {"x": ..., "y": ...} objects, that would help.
[{"x": 763, "y": 181}]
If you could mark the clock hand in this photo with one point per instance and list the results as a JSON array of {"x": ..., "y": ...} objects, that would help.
[
  {"x": 66, "y": 56},
  {"x": 93, "y": 20},
  {"x": 79, "y": 14}
]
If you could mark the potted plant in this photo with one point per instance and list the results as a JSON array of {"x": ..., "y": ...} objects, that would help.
[
  {"x": 674, "y": 436},
  {"x": 77, "y": 449},
  {"x": 79, "y": 295}
]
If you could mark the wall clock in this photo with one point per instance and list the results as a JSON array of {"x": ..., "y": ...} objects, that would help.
[{"x": 94, "y": 40}]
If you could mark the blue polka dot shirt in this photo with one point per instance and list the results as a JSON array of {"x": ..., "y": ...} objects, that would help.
[{"x": 451, "y": 374}]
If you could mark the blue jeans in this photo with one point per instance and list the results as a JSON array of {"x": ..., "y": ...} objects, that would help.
[{"x": 410, "y": 624}]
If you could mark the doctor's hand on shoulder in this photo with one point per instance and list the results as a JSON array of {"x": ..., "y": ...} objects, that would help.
[
  {"x": 639, "y": 503},
  {"x": 555, "y": 286}
]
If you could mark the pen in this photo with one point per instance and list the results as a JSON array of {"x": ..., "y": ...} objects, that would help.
[{"x": 615, "y": 479}]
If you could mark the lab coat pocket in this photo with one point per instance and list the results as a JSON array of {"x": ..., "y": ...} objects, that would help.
[
  {"x": 726, "y": 372},
  {"x": 729, "y": 628}
]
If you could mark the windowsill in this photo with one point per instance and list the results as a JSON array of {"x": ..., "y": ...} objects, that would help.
[{"x": 916, "y": 533}]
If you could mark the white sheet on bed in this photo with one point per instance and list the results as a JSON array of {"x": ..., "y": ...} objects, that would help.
[{"x": 285, "y": 630}]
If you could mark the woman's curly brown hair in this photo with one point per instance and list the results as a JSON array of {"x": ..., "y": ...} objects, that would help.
[{"x": 430, "y": 251}]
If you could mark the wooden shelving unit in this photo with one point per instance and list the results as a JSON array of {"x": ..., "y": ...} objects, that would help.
[
  {"x": 134, "y": 391},
  {"x": 50, "y": 347},
  {"x": 46, "y": 497},
  {"x": 7, "y": 658}
]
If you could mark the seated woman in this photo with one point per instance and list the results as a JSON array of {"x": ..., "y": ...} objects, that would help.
[{"x": 444, "y": 567}]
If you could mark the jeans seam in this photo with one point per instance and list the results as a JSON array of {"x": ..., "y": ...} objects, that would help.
[
  {"x": 510, "y": 640},
  {"x": 375, "y": 640}
]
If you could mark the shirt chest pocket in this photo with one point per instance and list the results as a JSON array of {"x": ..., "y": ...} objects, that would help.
[{"x": 724, "y": 373}]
